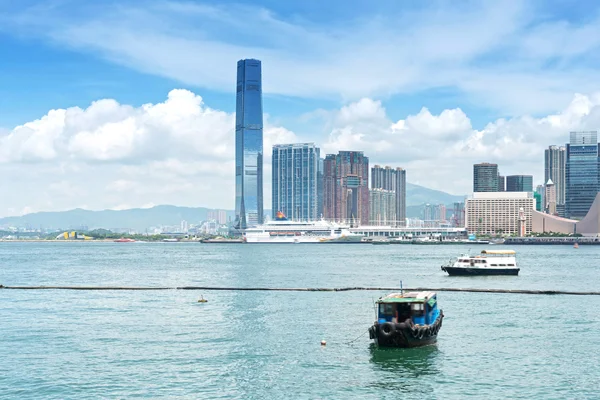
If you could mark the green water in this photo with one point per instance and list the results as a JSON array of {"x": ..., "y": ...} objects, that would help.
[{"x": 266, "y": 345}]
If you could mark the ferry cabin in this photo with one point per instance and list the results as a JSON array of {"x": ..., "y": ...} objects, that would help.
[
  {"x": 489, "y": 258},
  {"x": 420, "y": 307}
]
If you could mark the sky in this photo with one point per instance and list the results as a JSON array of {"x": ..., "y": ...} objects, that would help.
[{"x": 122, "y": 104}]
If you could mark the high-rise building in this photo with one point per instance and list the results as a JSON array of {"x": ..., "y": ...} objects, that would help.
[
  {"x": 458, "y": 219},
  {"x": 394, "y": 180},
  {"x": 538, "y": 195},
  {"x": 485, "y": 177},
  {"x": 501, "y": 183},
  {"x": 248, "y": 145},
  {"x": 382, "y": 207},
  {"x": 346, "y": 187},
  {"x": 550, "y": 198},
  {"x": 296, "y": 174},
  {"x": 519, "y": 183},
  {"x": 220, "y": 216},
  {"x": 555, "y": 168},
  {"x": 582, "y": 173}
]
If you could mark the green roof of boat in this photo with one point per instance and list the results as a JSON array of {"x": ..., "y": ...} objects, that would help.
[{"x": 408, "y": 297}]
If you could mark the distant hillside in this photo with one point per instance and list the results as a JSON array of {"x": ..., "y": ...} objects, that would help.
[
  {"x": 140, "y": 219},
  {"x": 136, "y": 218},
  {"x": 417, "y": 195}
]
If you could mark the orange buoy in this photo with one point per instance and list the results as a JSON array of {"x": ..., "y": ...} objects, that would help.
[{"x": 323, "y": 343}]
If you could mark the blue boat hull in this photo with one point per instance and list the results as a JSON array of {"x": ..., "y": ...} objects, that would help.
[
  {"x": 458, "y": 271},
  {"x": 405, "y": 334}
]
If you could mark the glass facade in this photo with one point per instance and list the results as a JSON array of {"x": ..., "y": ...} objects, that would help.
[
  {"x": 296, "y": 175},
  {"x": 485, "y": 177},
  {"x": 582, "y": 173},
  {"x": 519, "y": 183},
  {"x": 248, "y": 145}
]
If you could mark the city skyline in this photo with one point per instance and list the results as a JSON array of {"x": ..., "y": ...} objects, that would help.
[{"x": 93, "y": 119}]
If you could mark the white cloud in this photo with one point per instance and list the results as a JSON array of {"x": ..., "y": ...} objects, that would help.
[
  {"x": 182, "y": 152},
  {"x": 111, "y": 155}
]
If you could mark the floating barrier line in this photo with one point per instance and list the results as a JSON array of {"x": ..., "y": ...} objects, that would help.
[{"x": 343, "y": 289}]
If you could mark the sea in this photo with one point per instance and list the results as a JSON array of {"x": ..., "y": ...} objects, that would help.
[{"x": 64, "y": 344}]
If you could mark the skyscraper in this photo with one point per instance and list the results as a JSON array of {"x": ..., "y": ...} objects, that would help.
[
  {"x": 248, "y": 145},
  {"x": 394, "y": 180},
  {"x": 296, "y": 174},
  {"x": 382, "y": 207},
  {"x": 555, "y": 168},
  {"x": 582, "y": 173},
  {"x": 346, "y": 187},
  {"x": 485, "y": 177},
  {"x": 501, "y": 183},
  {"x": 519, "y": 183}
]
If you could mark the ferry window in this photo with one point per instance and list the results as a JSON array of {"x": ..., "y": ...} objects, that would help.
[
  {"x": 417, "y": 308},
  {"x": 511, "y": 265},
  {"x": 494, "y": 265},
  {"x": 503, "y": 265}
]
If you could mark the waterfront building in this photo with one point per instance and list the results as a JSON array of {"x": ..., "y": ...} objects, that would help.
[
  {"x": 587, "y": 226},
  {"x": 550, "y": 198},
  {"x": 498, "y": 213},
  {"x": 582, "y": 173},
  {"x": 458, "y": 214},
  {"x": 519, "y": 183},
  {"x": 555, "y": 169},
  {"x": 485, "y": 177},
  {"x": 248, "y": 145},
  {"x": 501, "y": 183},
  {"x": 394, "y": 180},
  {"x": 218, "y": 215},
  {"x": 382, "y": 207},
  {"x": 296, "y": 181},
  {"x": 346, "y": 187},
  {"x": 540, "y": 191}
]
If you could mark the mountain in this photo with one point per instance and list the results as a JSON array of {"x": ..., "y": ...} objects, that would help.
[
  {"x": 418, "y": 195},
  {"x": 140, "y": 219}
]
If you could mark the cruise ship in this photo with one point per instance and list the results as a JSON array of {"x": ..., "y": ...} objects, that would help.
[{"x": 282, "y": 230}]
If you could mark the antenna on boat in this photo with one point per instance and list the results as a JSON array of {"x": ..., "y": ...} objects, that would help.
[{"x": 401, "y": 290}]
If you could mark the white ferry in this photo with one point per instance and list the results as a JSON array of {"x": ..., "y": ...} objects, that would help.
[
  {"x": 281, "y": 230},
  {"x": 490, "y": 262}
]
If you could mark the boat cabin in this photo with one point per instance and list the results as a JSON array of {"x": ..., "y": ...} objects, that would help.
[
  {"x": 489, "y": 258},
  {"x": 420, "y": 307}
]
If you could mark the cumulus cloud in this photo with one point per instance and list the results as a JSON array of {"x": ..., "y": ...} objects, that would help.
[{"x": 181, "y": 151}]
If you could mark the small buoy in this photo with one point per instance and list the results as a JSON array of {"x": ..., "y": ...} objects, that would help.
[
  {"x": 323, "y": 343},
  {"x": 202, "y": 300}
]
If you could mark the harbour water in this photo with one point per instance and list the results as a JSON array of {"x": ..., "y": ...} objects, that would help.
[{"x": 266, "y": 345}]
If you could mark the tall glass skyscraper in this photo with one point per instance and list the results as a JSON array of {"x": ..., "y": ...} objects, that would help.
[
  {"x": 296, "y": 175},
  {"x": 582, "y": 174},
  {"x": 248, "y": 145},
  {"x": 519, "y": 183},
  {"x": 485, "y": 177}
]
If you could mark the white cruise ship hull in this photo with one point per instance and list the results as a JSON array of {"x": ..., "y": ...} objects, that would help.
[{"x": 266, "y": 238}]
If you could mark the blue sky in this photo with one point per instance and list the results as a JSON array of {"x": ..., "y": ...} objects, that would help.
[{"x": 340, "y": 73}]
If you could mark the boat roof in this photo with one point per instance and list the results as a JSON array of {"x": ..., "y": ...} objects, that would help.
[
  {"x": 406, "y": 297},
  {"x": 498, "y": 252}
]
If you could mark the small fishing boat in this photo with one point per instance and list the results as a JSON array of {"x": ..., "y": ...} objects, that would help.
[
  {"x": 409, "y": 319},
  {"x": 490, "y": 262}
]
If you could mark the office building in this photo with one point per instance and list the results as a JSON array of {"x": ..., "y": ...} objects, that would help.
[
  {"x": 519, "y": 183},
  {"x": 458, "y": 214},
  {"x": 346, "y": 187},
  {"x": 498, "y": 213},
  {"x": 220, "y": 216},
  {"x": 485, "y": 177},
  {"x": 394, "y": 180},
  {"x": 582, "y": 173},
  {"x": 555, "y": 168},
  {"x": 296, "y": 181},
  {"x": 248, "y": 145},
  {"x": 501, "y": 183},
  {"x": 382, "y": 207},
  {"x": 550, "y": 198}
]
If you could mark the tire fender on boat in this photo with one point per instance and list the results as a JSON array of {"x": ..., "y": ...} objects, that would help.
[{"x": 387, "y": 329}]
